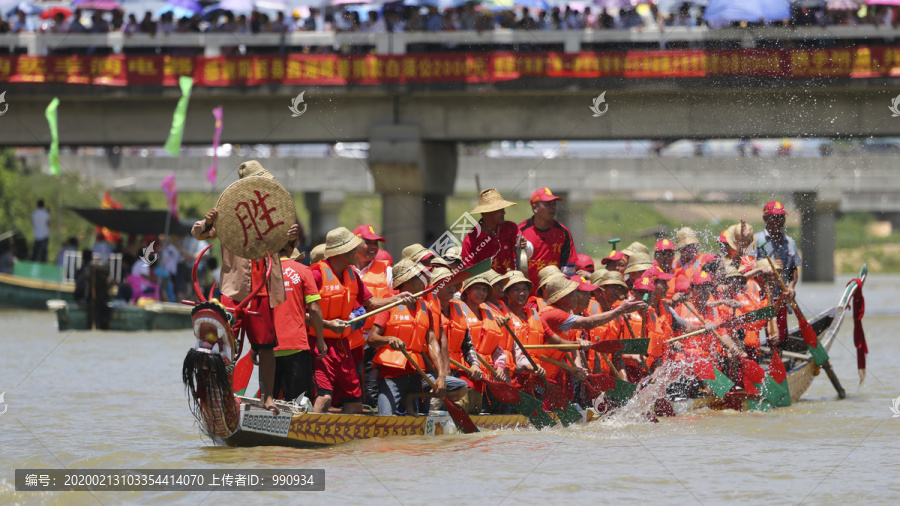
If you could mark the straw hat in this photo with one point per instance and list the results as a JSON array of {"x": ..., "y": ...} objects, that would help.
[
  {"x": 474, "y": 280},
  {"x": 636, "y": 247},
  {"x": 490, "y": 276},
  {"x": 415, "y": 252},
  {"x": 453, "y": 254},
  {"x": 638, "y": 262},
  {"x": 513, "y": 277},
  {"x": 439, "y": 274},
  {"x": 732, "y": 233},
  {"x": 559, "y": 287},
  {"x": 252, "y": 168},
  {"x": 298, "y": 255},
  {"x": 546, "y": 273},
  {"x": 610, "y": 278},
  {"x": 404, "y": 270},
  {"x": 733, "y": 272},
  {"x": 254, "y": 226},
  {"x": 685, "y": 237},
  {"x": 317, "y": 254},
  {"x": 489, "y": 201},
  {"x": 597, "y": 275},
  {"x": 439, "y": 262},
  {"x": 340, "y": 241}
]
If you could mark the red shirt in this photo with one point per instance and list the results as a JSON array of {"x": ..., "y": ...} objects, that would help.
[
  {"x": 290, "y": 316},
  {"x": 478, "y": 246},
  {"x": 553, "y": 319},
  {"x": 553, "y": 246},
  {"x": 362, "y": 295}
]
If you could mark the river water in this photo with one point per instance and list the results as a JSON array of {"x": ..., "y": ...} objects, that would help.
[{"x": 115, "y": 400}]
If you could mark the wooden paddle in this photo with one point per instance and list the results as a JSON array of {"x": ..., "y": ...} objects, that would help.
[
  {"x": 527, "y": 405},
  {"x": 809, "y": 335},
  {"x": 474, "y": 269},
  {"x": 611, "y": 346},
  {"x": 602, "y": 382},
  {"x": 459, "y": 415},
  {"x": 720, "y": 337}
]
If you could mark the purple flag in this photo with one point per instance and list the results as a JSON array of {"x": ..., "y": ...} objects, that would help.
[
  {"x": 171, "y": 191},
  {"x": 211, "y": 173}
]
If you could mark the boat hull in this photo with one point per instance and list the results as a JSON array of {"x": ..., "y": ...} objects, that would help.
[
  {"x": 16, "y": 291},
  {"x": 126, "y": 318}
]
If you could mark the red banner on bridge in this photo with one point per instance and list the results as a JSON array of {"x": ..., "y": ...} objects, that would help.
[{"x": 306, "y": 69}]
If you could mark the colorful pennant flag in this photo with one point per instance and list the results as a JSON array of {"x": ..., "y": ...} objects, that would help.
[
  {"x": 211, "y": 173},
  {"x": 54, "y": 137},
  {"x": 109, "y": 235},
  {"x": 173, "y": 144},
  {"x": 171, "y": 191}
]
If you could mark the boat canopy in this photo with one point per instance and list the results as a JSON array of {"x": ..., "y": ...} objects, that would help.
[{"x": 135, "y": 221}]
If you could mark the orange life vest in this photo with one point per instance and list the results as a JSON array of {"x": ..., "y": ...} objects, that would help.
[
  {"x": 409, "y": 327},
  {"x": 705, "y": 344},
  {"x": 456, "y": 328},
  {"x": 486, "y": 334},
  {"x": 659, "y": 330},
  {"x": 338, "y": 296},
  {"x": 557, "y": 355},
  {"x": 531, "y": 332},
  {"x": 375, "y": 280}
]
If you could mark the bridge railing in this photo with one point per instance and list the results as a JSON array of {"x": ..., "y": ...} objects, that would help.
[{"x": 216, "y": 44}]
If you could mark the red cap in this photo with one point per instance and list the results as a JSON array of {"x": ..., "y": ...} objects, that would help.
[
  {"x": 584, "y": 262},
  {"x": 774, "y": 207},
  {"x": 543, "y": 195},
  {"x": 367, "y": 232},
  {"x": 664, "y": 245},
  {"x": 384, "y": 255},
  {"x": 583, "y": 285},
  {"x": 723, "y": 238},
  {"x": 682, "y": 284},
  {"x": 644, "y": 282},
  {"x": 700, "y": 278},
  {"x": 613, "y": 256},
  {"x": 656, "y": 273}
]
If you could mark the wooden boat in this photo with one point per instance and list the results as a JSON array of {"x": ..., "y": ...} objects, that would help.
[
  {"x": 155, "y": 316},
  {"x": 258, "y": 427},
  {"x": 32, "y": 293}
]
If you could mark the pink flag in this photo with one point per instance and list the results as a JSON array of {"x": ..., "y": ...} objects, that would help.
[
  {"x": 171, "y": 191},
  {"x": 211, "y": 173}
]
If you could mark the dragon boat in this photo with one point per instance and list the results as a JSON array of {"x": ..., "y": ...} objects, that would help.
[{"x": 234, "y": 420}]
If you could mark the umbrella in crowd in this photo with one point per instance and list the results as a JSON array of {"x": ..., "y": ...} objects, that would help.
[
  {"x": 723, "y": 12},
  {"x": 53, "y": 11},
  {"x": 842, "y": 5},
  {"x": 187, "y": 5},
  {"x": 98, "y": 5},
  {"x": 883, "y": 2},
  {"x": 28, "y": 8}
]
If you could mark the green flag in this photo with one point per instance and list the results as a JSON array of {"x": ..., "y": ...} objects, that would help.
[
  {"x": 173, "y": 144},
  {"x": 54, "y": 137}
]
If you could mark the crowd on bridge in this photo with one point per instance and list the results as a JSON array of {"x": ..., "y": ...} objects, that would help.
[{"x": 425, "y": 17}]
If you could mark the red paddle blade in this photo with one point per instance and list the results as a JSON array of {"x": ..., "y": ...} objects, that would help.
[
  {"x": 602, "y": 382},
  {"x": 504, "y": 393},
  {"x": 611, "y": 346},
  {"x": 704, "y": 369},
  {"x": 753, "y": 371},
  {"x": 242, "y": 371},
  {"x": 460, "y": 417},
  {"x": 776, "y": 368},
  {"x": 806, "y": 330}
]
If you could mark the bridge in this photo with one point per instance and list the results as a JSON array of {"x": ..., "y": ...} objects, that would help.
[
  {"x": 414, "y": 96},
  {"x": 820, "y": 187}
]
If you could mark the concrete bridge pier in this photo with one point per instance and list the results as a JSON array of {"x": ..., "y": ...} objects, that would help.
[
  {"x": 573, "y": 214},
  {"x": 414, "y": 178},
  {"x": 818, "y": 212},
  {"x": 324, "y": 208}
]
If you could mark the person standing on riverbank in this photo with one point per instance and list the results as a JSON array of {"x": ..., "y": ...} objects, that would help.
[{"x": 40, "y": 223}]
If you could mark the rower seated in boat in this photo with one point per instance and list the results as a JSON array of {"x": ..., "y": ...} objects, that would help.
[{"x": 410, "y": 327}]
